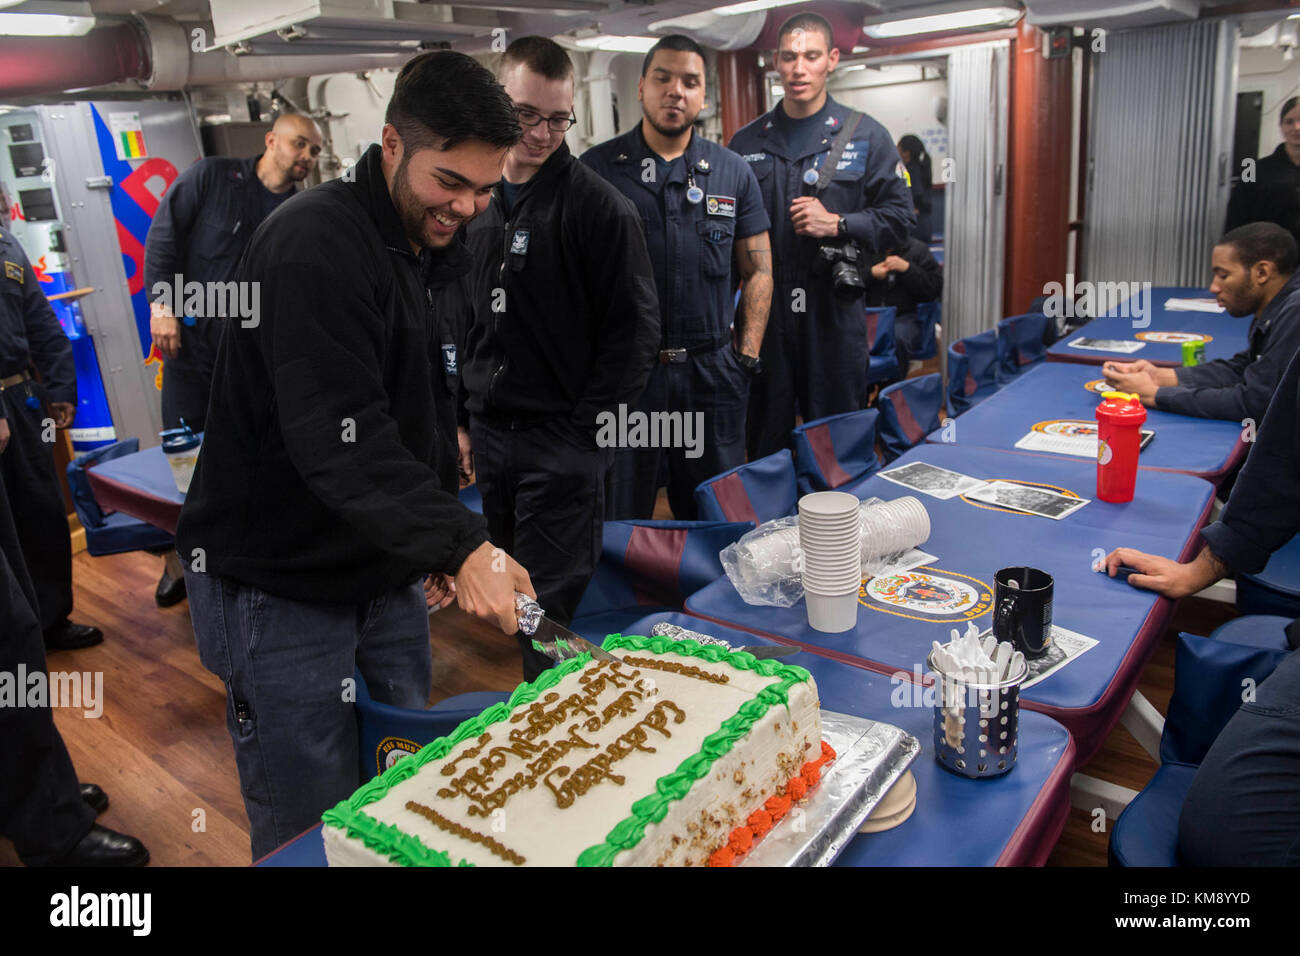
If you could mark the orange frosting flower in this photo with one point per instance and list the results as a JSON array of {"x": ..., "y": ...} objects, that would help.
[
  {"x": 742, "y": 839},
  {"x": 722, "y": 857}
]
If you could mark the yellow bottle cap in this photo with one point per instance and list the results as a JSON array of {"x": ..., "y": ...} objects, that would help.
[{"x": 1122, "y": 396}]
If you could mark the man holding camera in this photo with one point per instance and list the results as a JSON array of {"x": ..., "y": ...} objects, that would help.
[{"x": 836, "y": 199}]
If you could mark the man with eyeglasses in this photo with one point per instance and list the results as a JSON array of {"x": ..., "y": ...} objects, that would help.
[{"x": 566, "y": 327}]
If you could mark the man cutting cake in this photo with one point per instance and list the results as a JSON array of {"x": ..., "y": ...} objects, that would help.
[
  {"x": 1254, "y": 274},
  {"x": 327, "y": 484}
]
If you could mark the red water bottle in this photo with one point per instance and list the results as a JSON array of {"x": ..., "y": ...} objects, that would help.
[{"x": 1119, "y": 439}]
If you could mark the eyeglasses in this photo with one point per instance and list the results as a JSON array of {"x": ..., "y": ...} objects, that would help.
[{"x": 556, "y": 124}]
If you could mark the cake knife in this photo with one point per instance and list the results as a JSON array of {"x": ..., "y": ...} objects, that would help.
[{"x": 534, "y": 622}]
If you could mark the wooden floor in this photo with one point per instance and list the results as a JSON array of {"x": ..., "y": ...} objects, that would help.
[{"x": 161, "y": 749}]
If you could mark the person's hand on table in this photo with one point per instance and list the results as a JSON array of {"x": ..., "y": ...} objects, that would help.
[
  {"x": 1173, "y": 579},
  {"x": 62, "y": 413},
  {"x": 1160, "y": 374},
  {"x": 439, "y": 590},
  {"x": 486, "y": 584},
  {"x": 1139, "y": 383},
  {"x": 165, "y": 329},
  {"x": 4, "y": 433},
  {"x": 810, "y": 218}
]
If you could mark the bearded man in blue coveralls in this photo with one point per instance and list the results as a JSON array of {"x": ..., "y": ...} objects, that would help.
[
  {"x": 815, "y": 351},
  {"x": 701, "y": 207}
]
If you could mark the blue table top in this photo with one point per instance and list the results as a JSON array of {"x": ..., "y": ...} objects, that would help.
[
  {"x": 1229, "y": 332},
  {"x": 972, "y": 541},
  {"x": 1055, "y": 390},
  {"x": 957, "y": 821},
  {"x": 146, "y": 471}
]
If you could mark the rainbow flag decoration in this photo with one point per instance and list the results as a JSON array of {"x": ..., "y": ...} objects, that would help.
[{"x": 128, "y": 135}]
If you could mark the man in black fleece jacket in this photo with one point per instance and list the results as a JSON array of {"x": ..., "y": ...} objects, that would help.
[
  {"x": 566, "y": 330},
  {"x": 1254, "y": 274},
  {"x": 327, "y": 483}
]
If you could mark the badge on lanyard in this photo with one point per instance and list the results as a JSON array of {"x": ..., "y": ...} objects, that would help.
[
  {"x": 449, "y": 359},
  {"x": 519, "y": 243},
  {"x": 811, "y": 175},
  {"x": 694, "y": 194}
]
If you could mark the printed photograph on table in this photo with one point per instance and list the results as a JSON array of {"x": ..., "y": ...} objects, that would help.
[
  {"x": 1107, "y": 345},
  {"x": 932, "y": 480},
  {"x": 1036, "y": 501}
]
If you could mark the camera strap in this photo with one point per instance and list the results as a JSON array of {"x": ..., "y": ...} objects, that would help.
[{"x": 840, "y": 144}]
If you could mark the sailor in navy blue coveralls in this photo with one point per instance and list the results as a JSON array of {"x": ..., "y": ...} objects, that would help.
[
  {"x": 815, "y": 351},
  {"x": 32, "y": 339},
  {"x": 694, "y": 209}
]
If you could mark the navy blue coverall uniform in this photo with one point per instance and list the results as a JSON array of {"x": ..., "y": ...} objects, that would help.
[
  {"x": 199, "y": 232},
  {"x": 815, "y": 350},
  {"x": 30, "y": 336},
  {"x": 690, "y": 245}
]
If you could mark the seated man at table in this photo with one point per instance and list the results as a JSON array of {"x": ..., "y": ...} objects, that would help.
[
  {"x": 906, "y": 276},
  {"x": 1244, "y": 804},
  {"x": 1254, "y": 274}
]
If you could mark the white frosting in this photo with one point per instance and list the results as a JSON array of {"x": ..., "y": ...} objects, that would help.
[{"x": 534, "y": 825}]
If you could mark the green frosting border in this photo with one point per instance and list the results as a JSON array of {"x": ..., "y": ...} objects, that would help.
[{"x": 407, "y": 850}]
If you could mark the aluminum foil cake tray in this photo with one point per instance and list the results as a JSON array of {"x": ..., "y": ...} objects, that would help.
[{"x": 870, "y": 757}]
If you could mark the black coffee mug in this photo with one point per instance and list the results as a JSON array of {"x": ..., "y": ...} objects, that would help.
[{"x": 1022, "y": 609}]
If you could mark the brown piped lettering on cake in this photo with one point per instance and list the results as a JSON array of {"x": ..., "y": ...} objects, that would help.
[
  {"x": 686, "y": 670},
  {"x": 475, "y": 782},
  {"x": 465, "y": 833},
  {"x": 449, "y": 768},
  {"x": 567, "y": 785}
]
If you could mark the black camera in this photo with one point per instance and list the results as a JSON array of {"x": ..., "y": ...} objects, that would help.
[{"x": 841, "y": 261}]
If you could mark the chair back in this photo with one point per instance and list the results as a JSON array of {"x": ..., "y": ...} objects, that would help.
[
  {"x": 1210, "y": 678},
  {"x": 660, "y": 563},
  {"x": 909, "y": 410},
  {"x": 972, "y": 365},
  {"x": 834, "y": 451},
  {"x": 756, "y": 491},
  {"x": 1022, "y": 341}
]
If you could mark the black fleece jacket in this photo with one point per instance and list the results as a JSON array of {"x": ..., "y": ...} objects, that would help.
[
  {"x": 566, "y": 313},
  {"x": 328, "y": 470}
]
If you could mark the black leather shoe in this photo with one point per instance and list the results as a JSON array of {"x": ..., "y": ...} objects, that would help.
[
  {"x": 94, "y": 796},
  {"x": 170, "y": 591},
  {"x": 105, "y": 847},
  {"x": 70, "y": 637}
]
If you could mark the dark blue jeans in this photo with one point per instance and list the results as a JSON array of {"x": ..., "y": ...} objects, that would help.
[
  {"x": 288, "y": 668},
  {"x": 1243, "y": 808}
]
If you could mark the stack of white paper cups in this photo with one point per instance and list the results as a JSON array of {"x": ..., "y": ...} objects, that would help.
[{"x": 830, "y": 535}]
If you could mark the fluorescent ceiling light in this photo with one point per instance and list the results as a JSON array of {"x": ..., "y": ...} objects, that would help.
[
  {"x": 958, "y": 20},
  {"x": 46, "y": 20},
  {"x": 617, "y": 44},
  {"x": 751, "y": 6}
]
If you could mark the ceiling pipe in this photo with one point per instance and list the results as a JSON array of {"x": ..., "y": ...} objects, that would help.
[
  {"x": 31, "y": 66},
  {"x": 155, "y": 53}
]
